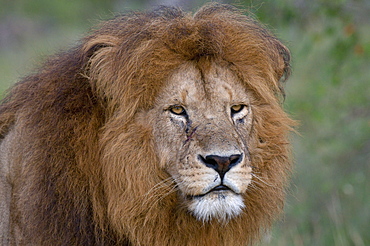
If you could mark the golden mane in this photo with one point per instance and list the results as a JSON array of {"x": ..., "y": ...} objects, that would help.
[{"x": 92, "y": 175}]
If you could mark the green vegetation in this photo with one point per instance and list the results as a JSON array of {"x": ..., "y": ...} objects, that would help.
[{"x": 328, "y": 93}]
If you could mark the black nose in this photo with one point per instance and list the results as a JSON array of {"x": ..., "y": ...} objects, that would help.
[{"x": 221, "y": 164}]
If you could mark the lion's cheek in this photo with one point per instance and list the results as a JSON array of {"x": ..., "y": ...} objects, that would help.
[{"x": 167, "y": 149}]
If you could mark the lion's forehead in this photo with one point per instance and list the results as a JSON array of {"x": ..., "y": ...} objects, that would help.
[{"x": 210, "y": 89}]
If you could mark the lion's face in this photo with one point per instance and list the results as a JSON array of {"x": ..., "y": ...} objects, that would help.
[{"x": 203, "y": 122}]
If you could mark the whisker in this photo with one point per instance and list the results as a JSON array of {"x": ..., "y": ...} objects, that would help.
[
  {"x": 164, "y": 187},
  {"x": 260, "y": 179},
  {"x": 156, "y": 197},
  {"x": 159, "y": 185}
]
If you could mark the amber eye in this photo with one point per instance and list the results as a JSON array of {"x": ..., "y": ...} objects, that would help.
[
  {"x": 237, "y": 108},
  {"x": 178, "y": 110}
]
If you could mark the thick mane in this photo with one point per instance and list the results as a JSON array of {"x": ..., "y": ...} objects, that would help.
[
  {"x": 161, "y": 40},
  {"x": 92, "y": 175}
]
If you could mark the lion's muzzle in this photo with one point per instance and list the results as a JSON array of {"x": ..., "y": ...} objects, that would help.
[{"x": 221, "y": 164}]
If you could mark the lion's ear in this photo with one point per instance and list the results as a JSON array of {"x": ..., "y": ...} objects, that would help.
[
  {"x": 284, "y": 62},
  {"x": 98, "y": 55},
  {"x": 96, "y": 43},
  {"x": 283, "y": 68}
]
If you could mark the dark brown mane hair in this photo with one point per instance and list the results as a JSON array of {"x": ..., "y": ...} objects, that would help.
[{"x": 76, "y": 121}]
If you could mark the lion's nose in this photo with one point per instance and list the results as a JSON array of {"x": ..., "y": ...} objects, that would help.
[{"x": 221, "y": 164}]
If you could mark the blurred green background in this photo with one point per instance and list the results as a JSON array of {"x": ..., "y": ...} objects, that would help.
[{"x": 329, "y": 93}]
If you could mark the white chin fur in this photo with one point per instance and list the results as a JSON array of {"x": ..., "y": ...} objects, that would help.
[{"x": 216, "y": 205}]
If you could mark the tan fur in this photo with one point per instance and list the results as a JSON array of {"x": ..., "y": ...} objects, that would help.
[{"x": 90, "y": 150}]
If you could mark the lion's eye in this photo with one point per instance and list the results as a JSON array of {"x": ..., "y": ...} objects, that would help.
[
  {"x": 237, "y": 108},
  {"x": 178, "y": 110}
]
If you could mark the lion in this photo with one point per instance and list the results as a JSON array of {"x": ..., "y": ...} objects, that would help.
[{"x": 160, "y": 128}]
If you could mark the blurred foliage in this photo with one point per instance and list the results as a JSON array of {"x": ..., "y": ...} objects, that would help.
[{"x": 328, "y": 93}]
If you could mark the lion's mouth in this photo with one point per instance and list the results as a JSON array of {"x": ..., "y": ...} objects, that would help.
[{"x": 218, "y": 189}]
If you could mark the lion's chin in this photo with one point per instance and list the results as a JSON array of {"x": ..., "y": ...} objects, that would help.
[{"x": 218, "y": 205}]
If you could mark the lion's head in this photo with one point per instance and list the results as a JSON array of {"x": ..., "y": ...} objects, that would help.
[
  {"x": 162, "y": 128},
  {"x": 202, "y": 125}
]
